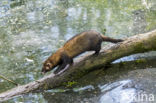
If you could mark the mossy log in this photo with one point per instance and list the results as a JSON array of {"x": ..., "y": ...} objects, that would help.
[{"x": 82, "y": 65}]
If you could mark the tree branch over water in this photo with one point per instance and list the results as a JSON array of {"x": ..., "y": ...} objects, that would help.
[{"x": 82, "y": 65}]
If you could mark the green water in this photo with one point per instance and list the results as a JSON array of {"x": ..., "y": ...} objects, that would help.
[{"x": 30, "y": 30}]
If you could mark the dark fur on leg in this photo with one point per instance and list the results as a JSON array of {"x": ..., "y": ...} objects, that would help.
[
  {"x": 65, "y": 61},
  {"x": 62, "y": 66},
  {"x": 97, "y": 49}
]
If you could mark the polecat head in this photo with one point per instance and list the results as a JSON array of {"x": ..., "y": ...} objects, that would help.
[{"x": 47, "y": 66}]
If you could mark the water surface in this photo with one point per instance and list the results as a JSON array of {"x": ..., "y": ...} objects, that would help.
[{"x": 30, "y": 30}]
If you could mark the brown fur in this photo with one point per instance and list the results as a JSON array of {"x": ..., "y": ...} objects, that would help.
[{"x": 85, "y": 41}]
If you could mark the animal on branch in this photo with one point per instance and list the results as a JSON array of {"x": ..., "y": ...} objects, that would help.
[{"x": 85, "y": 41}]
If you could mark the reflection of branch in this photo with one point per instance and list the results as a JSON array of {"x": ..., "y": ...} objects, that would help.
[
  {"x": 111, "y": 88},
  {"x": 8, "y": 80}
]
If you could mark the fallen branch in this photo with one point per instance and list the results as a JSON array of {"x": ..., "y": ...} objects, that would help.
[
  {"x": 1, "y": 76},
  {"x": 136, "y": 44}
]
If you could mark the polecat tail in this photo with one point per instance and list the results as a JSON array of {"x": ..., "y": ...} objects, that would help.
[{"x": 108, "y": 39}]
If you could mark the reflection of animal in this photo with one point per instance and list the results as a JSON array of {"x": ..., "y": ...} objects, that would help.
[{"x": 85, "y": 41}]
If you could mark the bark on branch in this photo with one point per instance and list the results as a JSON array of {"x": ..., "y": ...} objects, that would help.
[{"x": 136, "y": 44}]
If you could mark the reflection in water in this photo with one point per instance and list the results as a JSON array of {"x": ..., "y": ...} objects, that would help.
[
  {"x": 89, "y": 87},
  {"x": 151, "y": 54},
  {"x": 114, "y": 93}
]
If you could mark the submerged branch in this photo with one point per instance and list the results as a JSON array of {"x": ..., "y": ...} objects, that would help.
[{"x": 1, "y": 76}]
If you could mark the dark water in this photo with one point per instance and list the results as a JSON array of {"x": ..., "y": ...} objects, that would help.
[{"x": 30, "y": 30}]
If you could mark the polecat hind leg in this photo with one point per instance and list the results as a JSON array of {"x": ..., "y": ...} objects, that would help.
[{"x": 97, "y": 48}]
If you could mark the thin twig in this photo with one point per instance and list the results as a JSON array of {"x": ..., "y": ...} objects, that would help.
[{"x": 8, "y": 80}]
